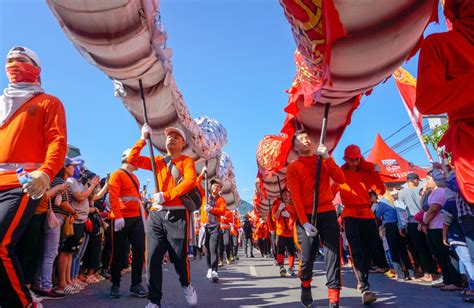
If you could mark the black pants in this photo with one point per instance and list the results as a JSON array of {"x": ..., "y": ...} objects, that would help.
[
  {"x": 361, "y": 234},
  {"x": 132, "y": 234},
  {"x": 285, "y": 243},
  {"x": 16, "y": 211},
  {"x": 447, "y": 259},
  {"x": 421, "y": 252},
  {"x": 212, "y": 246},
  {"x": 248, "y": 244},
  {"x": 106, "y": 258},
  {"x": 225, "y": 245},
  {"x": 377, "y": 256},
  {"x": 235, "y": 245},
  {"x": 397, "y": 245},
  {"x": 91, "y": 259},
  {"x": 329, "y": 235},
  {"x": 166, "y": 231},
  {"x": 263, "y": 245},
  {"x": 30, "y": 247}
]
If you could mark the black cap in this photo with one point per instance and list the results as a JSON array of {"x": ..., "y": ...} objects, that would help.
[
  {"x": 412, "y": 176},
  {"x": 215, "y": 181}
]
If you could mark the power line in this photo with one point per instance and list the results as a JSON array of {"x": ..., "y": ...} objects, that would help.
[{"x": 393, "y": 134}]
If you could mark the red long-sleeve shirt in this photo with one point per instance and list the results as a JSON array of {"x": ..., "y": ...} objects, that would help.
[
  {"x": 36, "y": 133},
  {"x": 284, "y": 225},
  {"x": 301, "y": 178}
]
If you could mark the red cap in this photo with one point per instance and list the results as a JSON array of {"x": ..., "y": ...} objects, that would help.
[{"x": 352, "y": 151}]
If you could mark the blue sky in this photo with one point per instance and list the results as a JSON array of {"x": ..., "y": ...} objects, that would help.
[{"x": 232, "y": 61}]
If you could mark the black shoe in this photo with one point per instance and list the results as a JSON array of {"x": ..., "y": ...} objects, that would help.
[
  {"x": 138, "y": 291},
  {"x": 115, "y": 291},
  {"x": 105, "y": 274},
  {"x": 252, "y": 256},
  {"x": 334, "y": 305},
  {"x": 306, "y": 297},
  {"x": 236, "y": 258}
]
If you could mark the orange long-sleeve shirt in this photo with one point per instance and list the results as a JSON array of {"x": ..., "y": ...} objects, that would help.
[
  {"x": 446, "y": 85},
  {"x": 36, "y": 133},
  {"x": 284, "y": 225},
  {"x": 235, "y": 230},
  {"x": 355, "y": 191},
  {"x": 301, "y": 178},
  {"x": 121, "y": 186},
  {"x": 262, "y": 231},
  {"x": 226, "y": 220},
  {"x": 166, "y": 182}
]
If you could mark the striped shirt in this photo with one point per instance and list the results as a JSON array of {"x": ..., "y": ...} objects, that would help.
[
  {"x": 65, "y": 196},
  {"x": 464, "y": 208}
]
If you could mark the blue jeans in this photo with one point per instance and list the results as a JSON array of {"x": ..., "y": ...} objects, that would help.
[
  {"x": 43, "y": 279},
  {"x": 467, "y": 225},
  {"x": 465, "y": 260},
  {"x": 77, "y": 257}
]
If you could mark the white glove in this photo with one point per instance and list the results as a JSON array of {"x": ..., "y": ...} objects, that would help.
[
  {"x": 159, "y": 198},
  {"x": 208, "y": 208},
  {"x": 119, "y": 224},
  {"x": 377, "y": 168},
  {"x": 310, "y": 229},
  {"x": 204, "y": 169},
  {"x": 37, "y": 185},
  {"x": 323, "y": 151},
  {"x": 146, "y": 131},
  {"x": 285, "y": 214},
  {"x": 282, "y": 206}
]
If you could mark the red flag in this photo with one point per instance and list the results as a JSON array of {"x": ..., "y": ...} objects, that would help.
[{"x": 406, "y": 85}]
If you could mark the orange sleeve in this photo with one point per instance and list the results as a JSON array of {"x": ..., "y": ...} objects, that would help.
[
  {"x": 114, "y": 194},
  {"x": 220, "y": 208},
  {"x": 296, "y": 191},
  {"x": 199, "y": 186},
  {"x": 373, "y": 181},
  {"x": 275, "y": 206},
  {"x": 435, "y": 94},
  {"x": 135, "y": 159},
  {"x": 237, "y": 223},
  {"x": 188, "y": 183},
  {"x": 335, "y": 171},
  {"x": 55, "y": 137}
]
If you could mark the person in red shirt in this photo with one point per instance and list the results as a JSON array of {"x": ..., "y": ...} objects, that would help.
[
  {"x": 283, "y": 211},
  {"x": 127, "y": 227},
  {"x": 301, "y": 178},
  {"x": 445, "y": 85},
  {"x": 262, "y": 234},
  {"x": 235, "y": 232},
  {"x": 33, "y": 136},
  {"x": 273, "y": 249},
  {"x": 359, "y": 220},
  {"x": 167, "y": 225},
  {"x": 226, "y": 242}
]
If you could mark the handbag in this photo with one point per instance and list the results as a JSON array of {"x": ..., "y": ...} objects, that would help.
[
  {"x": 51, "y": 217},
  {"x": 67, "y": 229},
  {"x": 192, "y": 200}
]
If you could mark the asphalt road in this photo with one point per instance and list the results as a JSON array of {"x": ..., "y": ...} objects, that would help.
[{"x": 256, "y": 283}]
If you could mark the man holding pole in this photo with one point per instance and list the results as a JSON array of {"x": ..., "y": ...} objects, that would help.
[
  {"x": 301, "y": 182},
  {"x": 169, "y": 220},
  {"x": 359, "y": 220},
  {"x": 127, "y": 226}
]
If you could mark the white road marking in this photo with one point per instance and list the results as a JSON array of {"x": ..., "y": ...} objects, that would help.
[{"x": 253, "y": 271}]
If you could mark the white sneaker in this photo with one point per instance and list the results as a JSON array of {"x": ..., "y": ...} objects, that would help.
[
  {"x": 190, "y": 295},
  {"x": 151, "y": 305},
  {"x": 215, "y": 276},
  {"x": 209, "y": 274},
  {"x": 36, "y": 298}
]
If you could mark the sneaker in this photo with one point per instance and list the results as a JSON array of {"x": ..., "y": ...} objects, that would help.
[
  {"x": 151, "y": 305},
  {"x": 333, "y": 296},
  {"x": 236, "y": 258},
  {"x": 191, "y": 257},
  {"x": 282, "y": 271},
  {"x": 214, "y": 276},
  {"x": 105, "y": 274},
  {"x": 115, "y": 291},
  {"x": 220, "y": 264},
  {"x": 438, "y": 283},
  {"x": 334, "y": 305},
  {"x": 190, "y": 295},
  {"x": 229, "y": 261},
  {"x": 138, "y": 291},
  {"x": 306, "y": 297},
  {"x": 209, "y": 273},
  {"x": 291, "y": 272},
  {"x": 35, "y": 297},
  {"x": 368, "y": 297},
  {"x": 252, "y": 256},
  {"x": 48, "y": 294}
]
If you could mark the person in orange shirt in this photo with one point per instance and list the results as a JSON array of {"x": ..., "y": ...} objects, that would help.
[
  {"x": 301, "y": 178},
  {"x": 262, "y": 234},
  {"x": 235, "y": 232},
  {"x": 127, "y": 227},
  {"x": 226, "y": 242},
  {"x": 283, "y": 211},
  {"x": 211, "y": 211},
  {"x": 33, "y": 136},
  {"x": 359, "y": 220},
  {"x": 273, "y": 249},
  {"x": 168, "y": 222}
]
